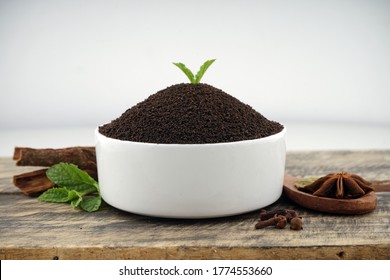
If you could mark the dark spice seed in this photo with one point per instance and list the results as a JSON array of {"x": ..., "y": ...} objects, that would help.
[{"x": 190, "y": 114}]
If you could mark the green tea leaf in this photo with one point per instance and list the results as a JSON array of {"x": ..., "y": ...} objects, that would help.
[
  {"x": 202, "y": 70},
  {"x": 91, "y": 203},
  {"x": 70, "y": 176},
  {"x": 186, "y": 71},
  {"x": 58, "y": 195}
]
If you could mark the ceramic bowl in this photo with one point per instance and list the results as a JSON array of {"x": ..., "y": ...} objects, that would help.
[{"x": 191, "y": 180}]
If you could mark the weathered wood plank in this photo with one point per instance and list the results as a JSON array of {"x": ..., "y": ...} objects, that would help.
[
  {"x": 371, "y": 165},
  {"x": 33, "y": 230},
  {"x": 200, "y": 253},
  {"x": 56, "y": 226}
]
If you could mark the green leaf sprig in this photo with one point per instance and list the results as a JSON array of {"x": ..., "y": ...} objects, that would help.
[
  {"x": 74, "y": 186},
  {"x": 194, "y": 79}
]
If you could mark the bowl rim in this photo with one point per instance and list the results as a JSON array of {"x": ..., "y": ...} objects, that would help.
[{"x": 269, "y": 138}]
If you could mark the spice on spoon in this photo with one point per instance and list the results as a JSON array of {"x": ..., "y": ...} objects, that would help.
[{"x": 339, "y": 185}]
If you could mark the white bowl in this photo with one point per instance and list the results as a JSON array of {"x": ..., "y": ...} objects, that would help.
[{"x": 191, "y": 180}]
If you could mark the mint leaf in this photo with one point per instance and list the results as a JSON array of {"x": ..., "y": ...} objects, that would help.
[
  {"x": 69, "y": 175},
  {"x": 58, "y": 195},
  {"x": 75, "y": 186},
  {"x": 91, "y": 203},
  {"x": 75, "y": 202},
  {"x": 84, "y": 189},
  {"x": 186, "y": 71},
  {"x": 202, "y": 70}
]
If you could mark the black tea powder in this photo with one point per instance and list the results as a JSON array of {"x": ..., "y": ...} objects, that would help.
[{"x": 190, "y": 114}]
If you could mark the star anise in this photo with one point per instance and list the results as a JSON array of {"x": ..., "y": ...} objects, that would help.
[{"x": 339, "y": 185}]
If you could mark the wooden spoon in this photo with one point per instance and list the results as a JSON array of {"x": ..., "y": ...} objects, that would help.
[{"x": 362, "y": 205}]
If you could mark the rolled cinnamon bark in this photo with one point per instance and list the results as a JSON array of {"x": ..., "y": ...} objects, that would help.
[
  {"x": 35, "y": 182},
  {"x": 83, "y": 157}
]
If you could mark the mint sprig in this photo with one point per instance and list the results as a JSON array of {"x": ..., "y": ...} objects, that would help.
[
  {"x": 74, "y": 186},
  {"x": 194, "y": 79}
]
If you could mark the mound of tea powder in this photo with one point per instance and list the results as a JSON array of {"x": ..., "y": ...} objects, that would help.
[{"x": 190, "y": 114}]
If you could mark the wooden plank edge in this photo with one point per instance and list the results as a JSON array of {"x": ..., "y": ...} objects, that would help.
[{"x": 361, "y": 252}]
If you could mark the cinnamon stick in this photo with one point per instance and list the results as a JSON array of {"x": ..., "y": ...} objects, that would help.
[
  {"x": 83, "y": 157},
  {"x": 35, "y": 182}
]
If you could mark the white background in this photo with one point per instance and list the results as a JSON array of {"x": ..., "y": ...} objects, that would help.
[
  {"x": 281, "y": 270},
  {"x": 83, "y": 63}
]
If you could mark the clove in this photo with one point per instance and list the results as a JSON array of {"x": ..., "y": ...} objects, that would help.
[
  {"x": 296, "y": 223},
  {"x": 281, "y": 221},
  {"x": 288, "y": 213},
  {"x": 279, "y": 218},
  {"x": 278, "y": 221}
]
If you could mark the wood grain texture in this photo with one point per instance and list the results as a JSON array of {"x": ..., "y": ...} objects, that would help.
[
  {"x": 371, "y": 165},
  {"x": 37, "y": 230},
  {"x": 58, "y": 230}
]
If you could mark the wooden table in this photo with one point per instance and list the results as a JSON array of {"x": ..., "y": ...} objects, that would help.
[{"x": 35, "y": 230}]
